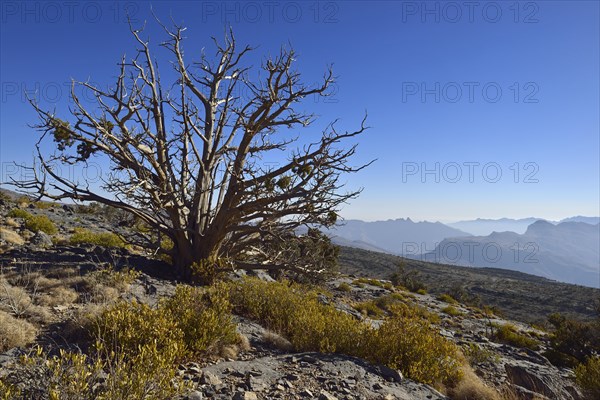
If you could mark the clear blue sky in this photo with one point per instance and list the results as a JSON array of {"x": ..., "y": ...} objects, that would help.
[{"x": 497, "y": 87}]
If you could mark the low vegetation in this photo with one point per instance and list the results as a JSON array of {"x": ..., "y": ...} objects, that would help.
[
  {"x": 105, "y": 239},
  {"x": 508, "y": 333},
  {"x": 41, "y": 223},
  {"x": 295, "y": 312},
  {"x": 587, "y": 375}
]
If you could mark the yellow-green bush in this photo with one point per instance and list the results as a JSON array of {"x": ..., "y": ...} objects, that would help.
[
  {"x": 128, "y": 326},
  {"x": 405, "y": 341},
  {"x": 105, "y": 375},
  {"x": 508, "y": 334},
  {"x": 105, "y": 239},
  {"x": 587, "y": 376},
  {"x": 344, "y": 287},
  {"x": 203, "y": 316},
  {"x": 8, "y": 391},
  {"x": 451, "y": 310},
  {"x": 408, "y": 343},
  {"x": 447, "y": 298},
  {"x": 37, "y": 223},
  {"x": 18, "y": 213}
]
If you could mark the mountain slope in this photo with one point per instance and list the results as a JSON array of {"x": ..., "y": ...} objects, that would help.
[{"x": 520, "y": 296}]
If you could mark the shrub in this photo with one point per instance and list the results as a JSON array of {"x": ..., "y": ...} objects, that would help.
[
  {"x": 112, "y": 278},
  {"x": 127, "y": 327},
  {"x": 369, "y": 308},
  {"x": 44, "y": 205},
  {"x": 204, "y": 317},
  {"x": 450, "y": 310},
  {"x": 447, "y": 298},
  {"x": 572, "y": 341},
  {"x": 421, "y": 291},
  {"x": 37, "y": 223},
  {"x": 508, "y": 334},
  {"x": 145, "y": 374},
  {"x": 18, "y": 213},
  {"x": 408, "y": 279},
  {"x": 344, "y": 287},
  {"x": 405, "y": 340},
  {"x": 8, "y": 391},
  {"x": 587, "y": 376},
  {"x": 104, "y": 239},
  {"x": 14, "y": 332},
  {"x": 11, "y": 237},
  {"x": 478, "y": 355}
]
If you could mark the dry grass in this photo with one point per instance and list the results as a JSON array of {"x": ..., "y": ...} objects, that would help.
[
  {"x": 14, "y": 299},
  {"x": 15, "y": 332},
  {"x": 11, "y": 222},
  {"x": 11, "y": 237},
  {"x": 277, "y": 341},
  {"x": 471, "y": 387},
  {"x": 60, "y": 296}
]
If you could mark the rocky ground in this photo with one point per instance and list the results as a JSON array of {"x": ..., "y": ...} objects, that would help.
[{"x": 268, "y": 367}]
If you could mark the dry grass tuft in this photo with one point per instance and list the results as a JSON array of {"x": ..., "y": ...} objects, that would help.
[
  {"x": 471, "y": 387},
  {"x": 243, "y": 342},
  {"x": 11, "y": 236},
  {"x": 11, "y": 222},
  {"x": 59, "y": 296},
  {"x": 277, "y": 341},
  {"x": 15, "y": 332}
]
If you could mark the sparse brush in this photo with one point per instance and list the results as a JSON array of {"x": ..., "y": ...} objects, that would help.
[
  {"x": 41, "y": 223},
  {"x": 508, "y": 334},
  {"x": 18, "y": 213},
  {"x": 295, "y": 312},
  {"x": 587, "y": 376},
  {"x": 15, "y": 332},
  {"x": 104, "y": 239},
  {"x": 452, "y": 311}
]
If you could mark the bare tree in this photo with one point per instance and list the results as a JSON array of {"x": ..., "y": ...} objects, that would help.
[{"x": 187, "y": 158}]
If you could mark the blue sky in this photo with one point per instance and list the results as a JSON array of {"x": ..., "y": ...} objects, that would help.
[{"x": 487, "y": 110}]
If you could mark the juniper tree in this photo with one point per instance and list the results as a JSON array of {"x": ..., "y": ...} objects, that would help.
[{"x": 186, "y": 157}]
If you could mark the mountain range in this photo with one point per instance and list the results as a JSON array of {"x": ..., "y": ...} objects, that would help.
[
  {"x": 565, "y": 251},
  {"x": 397, "y": 236}
]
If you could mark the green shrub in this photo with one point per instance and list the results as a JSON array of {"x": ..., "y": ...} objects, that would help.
[
  {"x": 572, "y": 341},
  {"x": 19, "y": 213},
  {"x": 145, "y": 374},
  {"x": 104, "y": 239},
  {"x": 204, "y": 317},
  {"x": 344, "y": 287},
  {"x": 450, "y": 310},
  {"x": 587, "y": 376},
  {"x": 44, "y": 205},
  {"x": 421, "y": 291},
  {"x": 127, "y": 327},
  {"x": 478, "y": 355},
  {"x": 405, "y": 340},
  {"x": 37, "y": 223},
  {"x": 508, "y": 334},
  {"x": 447, "y": 298}
]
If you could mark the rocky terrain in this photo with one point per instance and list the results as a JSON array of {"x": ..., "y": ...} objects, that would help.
[{"x": 266, "y": 366}]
